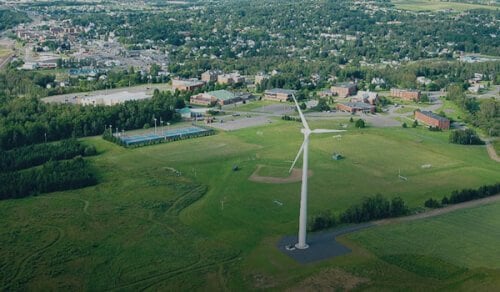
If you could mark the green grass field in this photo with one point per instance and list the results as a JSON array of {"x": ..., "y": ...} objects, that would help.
[
  {"x": 454, "y": 247},
  {"x": 251, "y": 105},
  {"x": 144, "y": 227},
  {"x": 4, "y": 52},
  {"x": 433, "y": 5}
]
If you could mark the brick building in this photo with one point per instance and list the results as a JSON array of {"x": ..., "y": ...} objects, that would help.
[
  {"x": 344, "y": 89},
  {"x": 431, "y": 119},
  {"x": 221, "y": 97},
  {"x": 354, "y": 107},
  {"x": 278, "y": 94},
  {"x": 210, "y": 75},
  {"x": 186, "y": 85},
  {"x": 367, "y": 97},
  {"x": 406, "y": 94},
  {"x": 230, "y": 78}
]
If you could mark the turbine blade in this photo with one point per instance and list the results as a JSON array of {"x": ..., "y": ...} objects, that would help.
[
  {"x": 302, "y": 118},
  {"x": 321, "y": 131},
  {"x": 297, "y": 157}
]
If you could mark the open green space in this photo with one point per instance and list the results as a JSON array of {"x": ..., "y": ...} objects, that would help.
[
  {"x": 251, "y": 106},
  {"x": 444, "y": 247},
  {"x": 451, "y": 110},
  {"x": 433, "y": 5},
  {"x": 4, "y": 51},
  {"x": 177, "y": 217},
  {"x": 405, "y": 110}
]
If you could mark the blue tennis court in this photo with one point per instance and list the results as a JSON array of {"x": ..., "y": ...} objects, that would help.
[{"x": 162, "y": 134}]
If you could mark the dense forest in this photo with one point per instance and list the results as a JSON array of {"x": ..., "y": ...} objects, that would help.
[
  {"x": 10, "y": 18},
  {"x": 26, "y": 120},
  {"x": 50, "y": 177},
  {"x": 33, "y": 155},
  {"x": 44, "y": 168}
]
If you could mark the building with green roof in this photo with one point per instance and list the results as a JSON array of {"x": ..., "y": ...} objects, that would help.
[{"x": 221, "y": 97}]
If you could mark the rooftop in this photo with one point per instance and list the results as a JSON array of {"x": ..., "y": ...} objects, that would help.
[
  {"x": 361, "y": 105},
  {"x": 434, "y": 116},
  {"x": 345, "y": 85},
  {"x": 280, "y": 90},
  {"x": 222, "y": 94}
]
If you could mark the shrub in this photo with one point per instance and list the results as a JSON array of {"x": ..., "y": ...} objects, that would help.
[
  {"x": 432, "y": 203},
  {"x": 360, "y": 123},
  {"x": 465, "y": 137}
]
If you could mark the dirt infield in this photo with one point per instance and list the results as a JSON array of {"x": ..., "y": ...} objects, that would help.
[{"x": 295, "y": 176}]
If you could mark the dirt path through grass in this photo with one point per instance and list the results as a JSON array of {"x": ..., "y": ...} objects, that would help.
[{"x": 492, "y": 152}]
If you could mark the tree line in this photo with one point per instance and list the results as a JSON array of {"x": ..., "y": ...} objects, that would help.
[
  {"x": 33, "y": 155},
  {"x": 52, "y": 176},
  {"x": 464, "y": 195},
  {"x": 465, "y": 137},
  {"x": 371, "y": 208},
  {"x": 28, "y": 120}
]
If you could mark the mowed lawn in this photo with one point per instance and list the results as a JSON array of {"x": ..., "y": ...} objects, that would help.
[
  {"x": 432, "y": 5},
  {"x": 444, "y": 248},
  {"x": 177, "y": 217}
]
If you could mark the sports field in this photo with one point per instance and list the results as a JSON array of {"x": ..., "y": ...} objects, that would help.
[
  {"x": 432, "y": 5},
  {"x": 176, "y": 216}
]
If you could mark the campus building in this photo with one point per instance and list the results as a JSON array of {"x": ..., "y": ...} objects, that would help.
[
  {"x": 278, "y": 94},
  {"x": 431, "y": 119},
  {"x": 354, "y": 107},
  {"x": 186, "y": 85},
  {"x": 406, "y": 94},
  {"x": 210, "y": 75},
  {"x": 230, "y": 78},
  {"x": 221, "y": 97},
  {"x": 260, "y": 77},
  {"x": 367, "y": 97},
  {"x": 344, "y": 89}
]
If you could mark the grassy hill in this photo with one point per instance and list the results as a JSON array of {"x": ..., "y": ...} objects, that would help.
[{"x": 157, "y": 221}]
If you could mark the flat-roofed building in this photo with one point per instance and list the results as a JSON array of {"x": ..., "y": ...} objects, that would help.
[
  {"x": 344, "y": 89},
  {"x": 210, "y": 75},
  {"x": 431, "y": 119},
  {"x": 354, "y": 107},
  {"x": 260, "y": 77},
  {"x": 221, "y": 97},
  {"x": 278, "y": 94},
  {"x": 186, "y": 85},
  {"x": 367, "y": 97},
  {"x": 406, "y": 94},
  {"x": 230, "y": 78}
]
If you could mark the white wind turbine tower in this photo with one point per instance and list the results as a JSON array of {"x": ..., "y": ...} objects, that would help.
[{"x": 303, "y": 194}]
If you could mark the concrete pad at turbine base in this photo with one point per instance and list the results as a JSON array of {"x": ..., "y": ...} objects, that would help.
[{"x": 322, "y": 245}]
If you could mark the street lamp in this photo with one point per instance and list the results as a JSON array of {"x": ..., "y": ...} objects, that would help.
[
  {"x": 162, "y": 129},
  {"x": 111, "y": 130},
  {"x": 155, "y": 125}
]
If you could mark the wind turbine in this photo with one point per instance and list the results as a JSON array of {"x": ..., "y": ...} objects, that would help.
[{"x": 304, "y": 149}]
